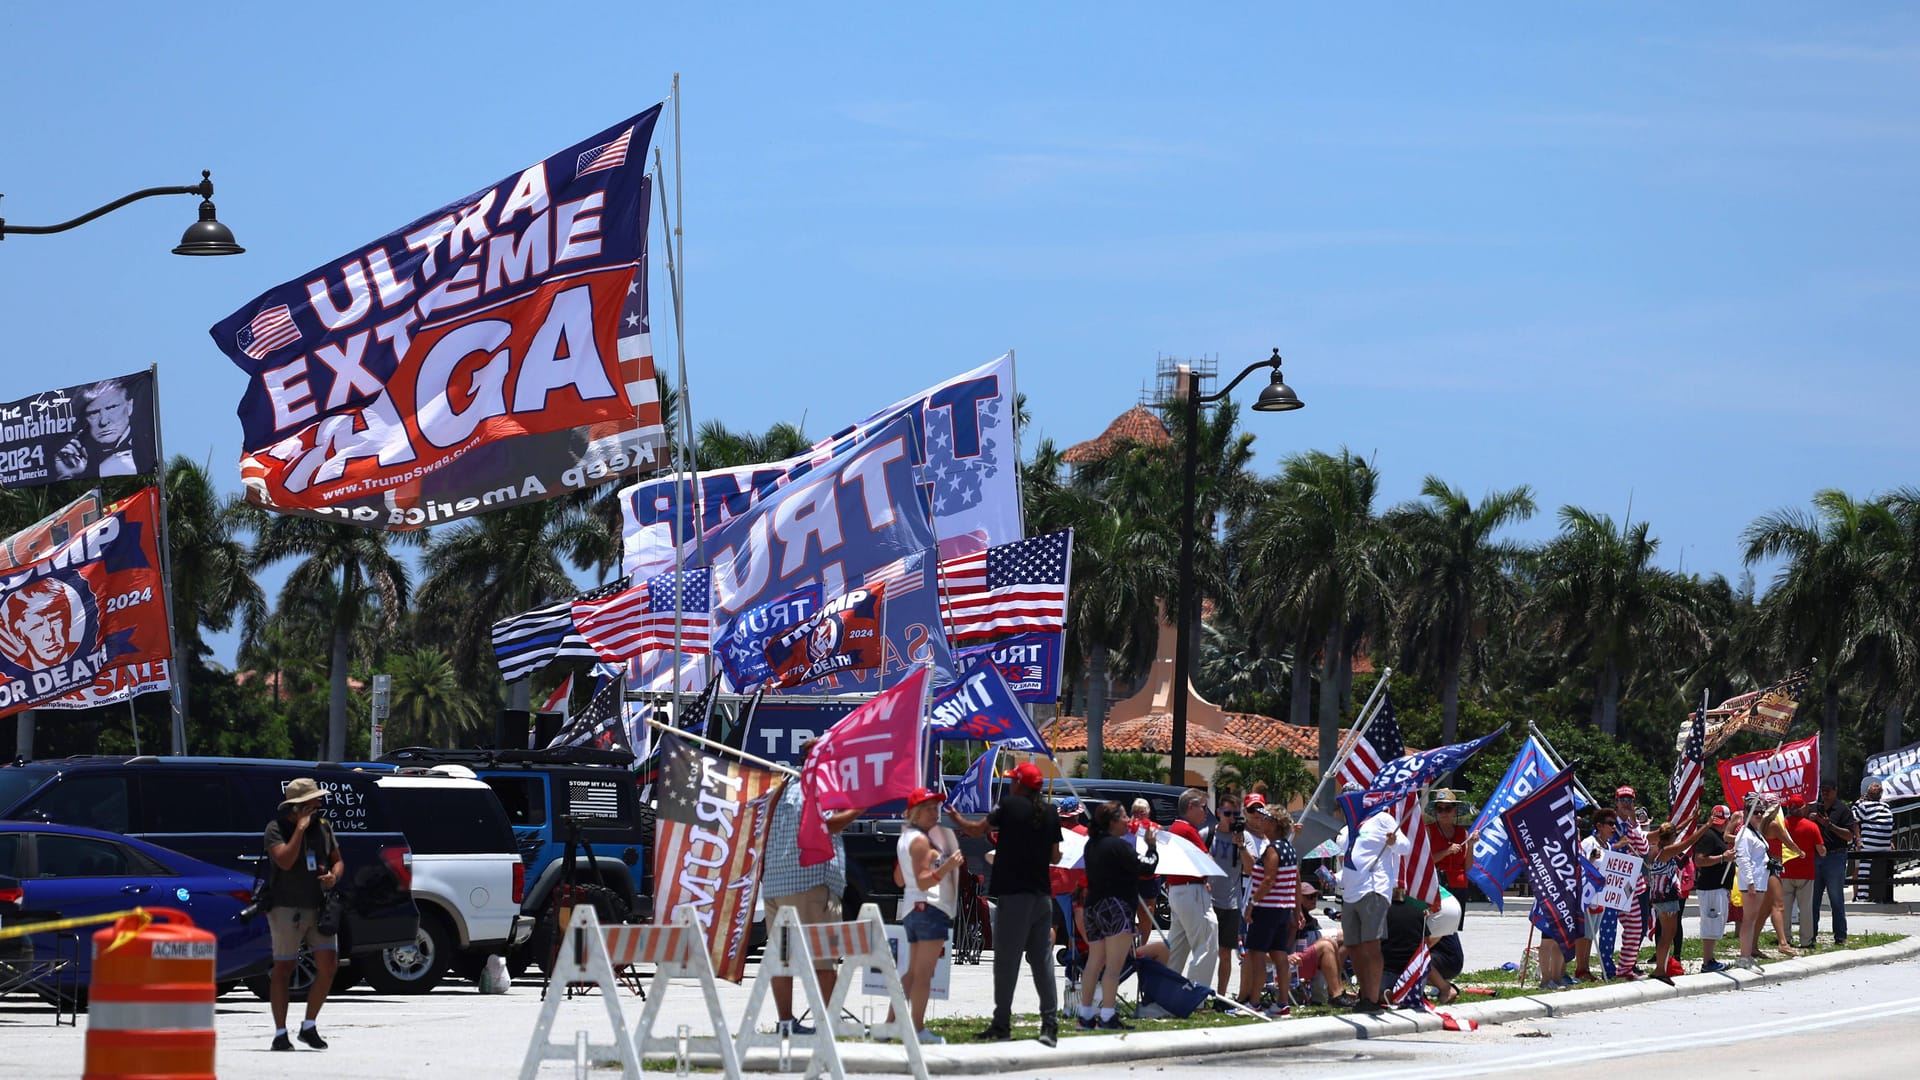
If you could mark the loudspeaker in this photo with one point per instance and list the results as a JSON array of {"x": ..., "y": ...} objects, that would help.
[{"x": 510, "y": 729}]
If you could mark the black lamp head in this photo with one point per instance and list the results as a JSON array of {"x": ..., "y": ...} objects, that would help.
[
  {"x": 207, "y": 236},
  {"x": 1278, "y": 396}
]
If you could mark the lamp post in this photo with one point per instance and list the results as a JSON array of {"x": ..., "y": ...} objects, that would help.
[
  {"x": 204, "y": 237},
  {"x": 1276, "y": 397}
]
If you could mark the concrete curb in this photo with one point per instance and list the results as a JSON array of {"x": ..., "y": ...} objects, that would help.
[{"x": 1139, "y": 1046}]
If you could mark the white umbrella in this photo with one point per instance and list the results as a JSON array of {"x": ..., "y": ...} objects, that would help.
[
  {"x": 1073, "y": 850},
  {"x": 1179, "y": 856}
]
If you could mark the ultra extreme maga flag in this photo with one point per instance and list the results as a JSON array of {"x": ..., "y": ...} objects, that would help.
[{"x": 480, "y": 356}]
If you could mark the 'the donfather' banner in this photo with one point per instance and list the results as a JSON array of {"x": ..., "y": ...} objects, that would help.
[
  {"x": 1793, "y": 769},
  {"x": 79, "y": 432},
  {"x": 92, "y": 606},
  {"x": 489, "y": 353}
]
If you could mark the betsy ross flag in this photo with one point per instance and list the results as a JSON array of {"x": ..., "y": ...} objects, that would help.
[
  {"x": 1769, "y": 711},
  {"x": 1683, "y": 787},
  {"x": 1007, "y": 589},
  {"x": 533, "y": 639},
  {"x": 638, "y": 619},
  {"x": 711, "y": 830},
  {"x": 1379, "y": 744},
  {"x": 271, "y": 329}
]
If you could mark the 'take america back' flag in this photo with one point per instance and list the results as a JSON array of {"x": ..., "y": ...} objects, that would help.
[{"x": 1007, "y": 589}]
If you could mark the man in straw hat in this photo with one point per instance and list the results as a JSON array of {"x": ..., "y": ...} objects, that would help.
[{"x": 304, "y": 862}]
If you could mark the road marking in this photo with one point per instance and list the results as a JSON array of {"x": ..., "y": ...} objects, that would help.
[{"x": 1658, "y": 1044}]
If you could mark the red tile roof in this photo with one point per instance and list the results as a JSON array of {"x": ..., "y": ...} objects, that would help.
[
  {"x": 1136, "y": 425},
  {"x": 1245, "y": 733}
]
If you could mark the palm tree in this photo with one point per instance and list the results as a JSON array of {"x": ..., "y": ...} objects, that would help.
[
  {"x": 1604, "y": 605},
  {"x": 1837, "y": 597},
  {"x": 351, "y": 568},
  {"x": 1121, "y": 569},
  {"x": 719, "y": 447},
  {"x": 1278, "y": 773},
  {"x": 210, "y": 563},
  {"x": 1315, "y": 554},
  {"x": 1458, "y": 579},
  {"x": 431, "y": 705}
]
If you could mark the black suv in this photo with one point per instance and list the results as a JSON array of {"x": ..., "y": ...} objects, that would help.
[
  {"x": 544, "y": 791},
  {"x": 215, "y": 809}
]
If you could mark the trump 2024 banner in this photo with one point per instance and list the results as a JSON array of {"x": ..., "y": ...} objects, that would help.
[
  {"x": 1544, "y": 830},
  {"x": 489, "y": 353},
  {"x": 79, "y": 432},
  {"x": 92, "y": 607}
]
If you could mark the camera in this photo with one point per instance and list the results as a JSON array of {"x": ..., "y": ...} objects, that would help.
[{"x": 1239, "y": 826}]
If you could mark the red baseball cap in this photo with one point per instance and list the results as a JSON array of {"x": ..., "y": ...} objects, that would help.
[
  {"x": 1255, "y": 803},
  {"x": 1721, "y": 813},
  {"x": 1027, "y": 774},
  {"x": 923, "y": 795},
  {"x": 1795, "y": 802},
  {"x": 1623, "y": 792}
]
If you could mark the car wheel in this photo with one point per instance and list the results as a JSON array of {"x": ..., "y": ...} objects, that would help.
[
  {"x": 519, "y": 959},
  {"x": 301, "y": 981},
  {"x": 416, "y": 968}
]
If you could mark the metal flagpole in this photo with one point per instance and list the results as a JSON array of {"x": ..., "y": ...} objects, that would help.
[
  {"x": 1368, "y": 710},
  {"x": 179, "y": 735},
  {"x": 134, "y": 719},
  {"x": 1554, "y": 756},
  {"x": 723, "y": 748}
]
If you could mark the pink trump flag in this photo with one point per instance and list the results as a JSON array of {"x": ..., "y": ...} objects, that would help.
[{"x": 870, "y": 757}]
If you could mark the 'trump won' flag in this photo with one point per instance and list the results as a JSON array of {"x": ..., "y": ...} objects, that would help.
[
  {"x": 980, "y": 706},
  {"x": 1544, "y": 830},
  {"x": 1493, "y": 864},
  {"x": 714, "y": 814},
  {"x": 1791, "y": 769},
  {"x": 869, "y": 757},
  {"x": 475, "y": 358}
]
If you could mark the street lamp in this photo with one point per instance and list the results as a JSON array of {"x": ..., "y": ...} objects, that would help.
[
  {"x": 1277, "y": 396},
  {"x": 204, "y": 237}
]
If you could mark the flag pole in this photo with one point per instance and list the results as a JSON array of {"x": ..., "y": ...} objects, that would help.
[
  {"x": 1554, "y": 756},
  {"x": 723, "y": 748},
  {"x": 179, "y": 725},
  {"x": 1368, "y": 710}
]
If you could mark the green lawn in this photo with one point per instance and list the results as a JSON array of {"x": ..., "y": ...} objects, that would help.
[{"x": 1503, "y": 983}]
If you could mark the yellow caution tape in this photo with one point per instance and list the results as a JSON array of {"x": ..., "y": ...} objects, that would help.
[{"x": 8, "y": 932}]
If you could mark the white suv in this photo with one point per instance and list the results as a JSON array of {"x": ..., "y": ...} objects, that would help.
[{"x": 468, "y": 879}]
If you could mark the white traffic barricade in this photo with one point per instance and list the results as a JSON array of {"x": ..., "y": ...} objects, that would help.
[
  {"x": 791, "y": 949},
  {"x": 591, "y": 953}
]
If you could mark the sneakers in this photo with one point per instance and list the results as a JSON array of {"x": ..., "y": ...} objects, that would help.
[
  {"x": 1277, "y": 1012},
  {"x": 1050, "y": 1032},
  {"x": 1712, "y": 965},
  {"x": 1114, "y": 1023},
  {"x": 1746, "y": 963},
  {"x": 281, "y": 1042},
  {"x": 1086, "y": 1023},
  {"x": 311, "y": 1036},
  {"x": 928, "y": 1038},
  {"x": 793, "y": 1027},
  {"x": 993, "y": 1033}
]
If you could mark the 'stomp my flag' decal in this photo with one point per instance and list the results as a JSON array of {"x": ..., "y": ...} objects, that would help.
[
  {"x": 478, "y": 357},
  {"x": 714, "y": 814},
  {"x": 75, "y": 620}
]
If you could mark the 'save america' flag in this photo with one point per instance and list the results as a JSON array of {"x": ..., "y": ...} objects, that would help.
[
  {"x": 1379, "y": 744},
  {"x": 533, "y": 639},
  {"x": 639, "y": 619},
  {"x": 714, "y": 814},
  {"x": 1007, "y": 589}
]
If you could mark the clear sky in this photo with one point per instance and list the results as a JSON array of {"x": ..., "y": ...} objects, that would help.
[{"x": 1658, "y": 257}]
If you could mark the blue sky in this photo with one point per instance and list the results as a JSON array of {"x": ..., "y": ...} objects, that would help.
[{"x": 1627, "y": 255}]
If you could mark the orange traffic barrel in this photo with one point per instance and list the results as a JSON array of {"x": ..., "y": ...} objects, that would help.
[{"x": 151, "y": 999}]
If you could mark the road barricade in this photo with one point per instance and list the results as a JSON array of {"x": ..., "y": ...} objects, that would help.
[{"x": 151, "y": 999}]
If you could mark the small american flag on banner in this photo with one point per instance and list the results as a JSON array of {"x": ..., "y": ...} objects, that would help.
[
  {"x": 271, "y": 329},
  {"x": 607, "y": 155},
  {"x": 1381, "y": 743},
  {"x": 1007, "y": 589},
  {"x": 1683, "y": 787},
  {"x": 901, "y": 576},
  {"x": 641, "y": 618}
]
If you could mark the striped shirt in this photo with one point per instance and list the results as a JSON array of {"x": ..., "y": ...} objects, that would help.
[
  {"x": 1876, "y": 825},
  {"x": 1282, "y": 889}
]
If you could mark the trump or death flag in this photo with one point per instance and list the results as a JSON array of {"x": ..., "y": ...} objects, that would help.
[
  {"x": 712, "y": 828},
  {"x": 90, "y": 618},
  {"x": 844, "y": 637},
  {"x": 870, "y": 757},
  {"x": 1791, "y": 769},
  {"x": 1544, "y": 830},
  {"x": 489, "y": 353}
]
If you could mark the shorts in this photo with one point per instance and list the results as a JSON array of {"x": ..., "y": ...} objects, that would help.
[
  {"x": 1667, "y": 907},
  {"x": 1270, "y": 929},
  {"x": 1108, "y": 917},
  {"x": 1713, "y": 912},
  {"x": 1364, "y": 920},
  {"x": 816, "y": 905},
  {"x": 1229, "y": 918},
  {"x": 927, "y": 923},
  {"x": 1449, "y": 957},
  {"x": 292, "y": 927}
]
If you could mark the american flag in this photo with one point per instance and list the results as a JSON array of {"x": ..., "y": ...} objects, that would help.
[
  {"x": 533, "y": 639},
  {"x": 271, "y": 329},
  {"x": 1379, "y": 744},
  {"x": 607, "y": 155},
  {"x": 640, "y": 619},
  {"x": 1412, "y": 979},
  {"x": 1419, "y": 871},
  {"x": 598, "y": 725},
  {"x": 901, "y": 576},
  {"x": 1683, "y": 787},
  {"x": 1769, "y": 711},
  {"x": 1007, "y": 589}
]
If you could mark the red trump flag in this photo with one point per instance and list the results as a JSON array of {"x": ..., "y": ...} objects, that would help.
[{"x": 869, "y": 757}]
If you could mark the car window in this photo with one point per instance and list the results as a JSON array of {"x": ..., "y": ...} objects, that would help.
[
  {"x": 188, "y": 802},
  {"x": 523, "y": 797},
  {"x": 63, "y": 856},
  {"x": 17, "y": 783},
  {"x": 449, "y": 820},
  {"x": 10, "y": 847},
  {"x": 90, "y": 799}
]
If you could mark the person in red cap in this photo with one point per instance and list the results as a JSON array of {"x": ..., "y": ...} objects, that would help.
[
  {"x": 1797, "y": 877},
  {"x": 1027, "y": 845},
  {"x": 1712, "y": 878},
  {"x": 1638, "y": 916},
  {"x": 928, "y": 854}
]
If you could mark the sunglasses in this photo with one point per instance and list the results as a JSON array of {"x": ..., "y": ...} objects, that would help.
[{"x": 1229, "y": 813}]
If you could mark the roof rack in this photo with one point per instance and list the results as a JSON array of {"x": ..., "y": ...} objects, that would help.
[{"x": 560, "y": 755}]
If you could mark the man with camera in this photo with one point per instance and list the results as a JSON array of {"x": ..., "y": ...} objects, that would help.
[{"x": 304, "y": 863}]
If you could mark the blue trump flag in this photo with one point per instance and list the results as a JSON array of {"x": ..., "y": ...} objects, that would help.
[
  {"x": 1029, "y": 662},
  {"x": 981, "y": 706},
  {"x": 974, "y": 793},
  {"x": 1544, "y": 831},
  {"x": 1493, "y": 865},
  {"x": 742, "y": 646},
  {"x": 1406, "y": 775},
  {"x": 855, "y": 519}
]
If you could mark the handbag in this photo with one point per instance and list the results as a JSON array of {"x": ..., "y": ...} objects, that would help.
[{"x": 333, "y": 908}]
